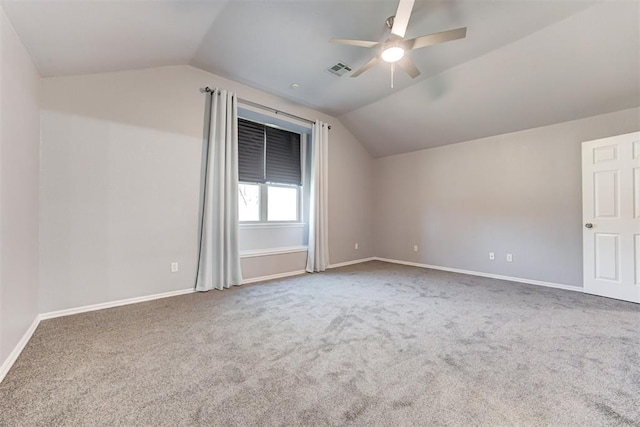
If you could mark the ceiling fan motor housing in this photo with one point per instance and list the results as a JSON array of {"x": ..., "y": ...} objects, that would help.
[{"x": 389, "y": 21}]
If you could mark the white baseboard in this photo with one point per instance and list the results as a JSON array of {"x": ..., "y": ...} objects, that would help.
[
  {"x": 273, "y": 276},
  {"x": 110, "y": 304},
  {"x": 355, "y": 261},
  {"x": 481, "y": 274},
  {"x": 13, "y": 356}
]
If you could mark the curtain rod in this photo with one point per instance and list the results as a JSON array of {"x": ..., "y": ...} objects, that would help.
[{"x": 264, "y": 107}]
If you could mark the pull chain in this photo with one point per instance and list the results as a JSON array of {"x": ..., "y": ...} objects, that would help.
[{"x": 392, "y": 66}]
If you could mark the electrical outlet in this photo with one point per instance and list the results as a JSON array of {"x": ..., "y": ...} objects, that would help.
[
  {"x": 509, "y": 258},
  {"x": 174, "y": 267},
  {"x": 415, "y": 248},
  {"x": 492, "y": 256},
  {"x": 355, "y": 246}
]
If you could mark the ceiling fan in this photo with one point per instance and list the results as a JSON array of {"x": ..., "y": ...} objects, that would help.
[{"x": 394, "y": 48}]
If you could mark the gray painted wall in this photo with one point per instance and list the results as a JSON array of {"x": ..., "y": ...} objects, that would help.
[
  {"x": 19, "y": 170},
  {"x": 351, "y": 195},
  {"x": 518, "y": 193},
  {"x": 121, "y": 158}
]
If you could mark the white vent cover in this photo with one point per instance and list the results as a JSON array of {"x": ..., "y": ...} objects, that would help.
[{"x": 339, "y": 69}]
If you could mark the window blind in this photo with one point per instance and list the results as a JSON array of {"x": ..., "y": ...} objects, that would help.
[
  {"x": 283, "y": 157},
  {"x": 250, "y": 151},
  {"x": 267, "y": 154}
]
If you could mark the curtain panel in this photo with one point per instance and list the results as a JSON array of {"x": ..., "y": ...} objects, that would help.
[
  {"x": 219, "y": 254},
  {"x": 318, "y": 253}
]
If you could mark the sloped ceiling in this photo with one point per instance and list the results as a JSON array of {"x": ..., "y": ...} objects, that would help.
[{"x": 523, "y": 64}]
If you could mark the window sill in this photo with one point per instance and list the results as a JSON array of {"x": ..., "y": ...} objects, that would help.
[
  {"x": 275, "y": 251},
  {"x": 272, "y": 225}
]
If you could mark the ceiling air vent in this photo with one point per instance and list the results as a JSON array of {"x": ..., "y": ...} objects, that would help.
[{"x": 339, "y": 69}]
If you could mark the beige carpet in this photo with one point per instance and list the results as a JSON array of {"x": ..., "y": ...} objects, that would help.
[{"x": 371, "y": 344}]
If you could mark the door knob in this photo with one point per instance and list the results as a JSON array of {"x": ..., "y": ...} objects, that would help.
[{"x": 588, "y": 225}]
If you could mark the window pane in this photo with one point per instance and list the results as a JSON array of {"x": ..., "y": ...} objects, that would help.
[
  {"x": 249, "y": 202},
  {"x": 282, "y": 204}
]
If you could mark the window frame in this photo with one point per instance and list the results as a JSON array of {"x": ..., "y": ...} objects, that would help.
[
  {"x": 259, "y": 221},
  {"x": 263, "y": 202},
  {"x": 298, "y": 189}
]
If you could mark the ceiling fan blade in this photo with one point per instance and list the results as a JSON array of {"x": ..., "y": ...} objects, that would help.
[
  {"x": 360, "y": 43},
  {"x": 409, "y": 67},
  {"x": 401, "y": 20},
  {"x": 437, "y": 38},
  {"x": 366, "y": 66}
]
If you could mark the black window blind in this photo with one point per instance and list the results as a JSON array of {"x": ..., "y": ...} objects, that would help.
[
  {"x": 267, "y": 154},
  {"x": 250, "y": 151},
  {"x": 283, "y": 157}
]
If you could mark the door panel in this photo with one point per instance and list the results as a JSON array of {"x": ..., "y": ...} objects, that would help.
[
  {"x": 606, "y": 194},
  {"x": 611, "y": 215},
  {"x": 637, "y": 257},
  {"x": 607, "y": 250},
  {"x": 603, "y": 154},
  {"x": 636, "y": 192}
]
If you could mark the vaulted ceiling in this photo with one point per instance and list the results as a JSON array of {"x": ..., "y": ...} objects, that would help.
[{"x": 524, "y": 63}]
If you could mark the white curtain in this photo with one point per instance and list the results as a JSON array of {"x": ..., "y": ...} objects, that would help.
[
  {"x": 318, "y": 255},
  {"x": 219, "y": 256}
]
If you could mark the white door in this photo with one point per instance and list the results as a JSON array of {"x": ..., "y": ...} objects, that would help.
[{"x": 611, "y": 216}]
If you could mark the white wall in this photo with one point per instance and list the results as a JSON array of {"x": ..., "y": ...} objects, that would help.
[
  {"x": 121, "y": 158},
  {"x": 19, "y": 170},
  {"x": 518, "y": 193}
]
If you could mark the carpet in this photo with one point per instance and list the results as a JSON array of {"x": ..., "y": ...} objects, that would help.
[{"x": 370, "y": 344}]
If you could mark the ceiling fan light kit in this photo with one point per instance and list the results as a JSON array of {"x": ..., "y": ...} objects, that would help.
[
  {"x": 395, "y": 48},
  {"x": 392, "y": 54}
]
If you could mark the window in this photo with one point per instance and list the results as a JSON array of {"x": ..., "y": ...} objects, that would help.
[
  {"x": 270, "y": 173},
  {"x": 249, "y": 202},
  {"x": 282, "y": 203}
]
